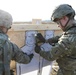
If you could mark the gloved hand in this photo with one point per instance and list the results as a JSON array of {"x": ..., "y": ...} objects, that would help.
[
  {"x": 37, "y": 49},
  {"x": 39, "y": 38},
  {"x": 53, "y": 40},
  {"x": 50, "y": 41},
  {"x": 31, "y": 56}
]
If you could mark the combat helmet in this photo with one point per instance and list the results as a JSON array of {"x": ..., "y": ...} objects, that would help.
[
  {"x": 5, "y": 19},
  {"x": 62, "y": 10}
]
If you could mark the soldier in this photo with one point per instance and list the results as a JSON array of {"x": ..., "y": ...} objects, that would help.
[
  {"x": 8, "y": 50},
  {"x": 64, "y": 51}
]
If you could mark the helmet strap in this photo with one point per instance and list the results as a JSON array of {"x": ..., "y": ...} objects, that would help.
[
  {"x": 65, "y": 24},
  {"x": 68, "y": 20}
]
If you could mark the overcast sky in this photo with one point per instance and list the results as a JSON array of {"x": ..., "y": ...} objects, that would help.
[{"x": 26, "y": 10}]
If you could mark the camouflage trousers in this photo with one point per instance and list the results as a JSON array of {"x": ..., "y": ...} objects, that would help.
[
  {"x": 56, "y": 71},
  {"x": 60, "y": 71},
  {"x": 66, "y": 72}
]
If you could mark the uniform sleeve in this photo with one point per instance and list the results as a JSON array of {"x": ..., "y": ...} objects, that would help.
[
  {"x": 19, "y": 56},
  {"x": 61, "y": 49}
]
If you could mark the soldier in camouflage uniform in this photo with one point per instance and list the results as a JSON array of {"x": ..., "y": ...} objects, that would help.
[
  {"x": 8, "y": 50},
  {"x": 64, "y": 51}
]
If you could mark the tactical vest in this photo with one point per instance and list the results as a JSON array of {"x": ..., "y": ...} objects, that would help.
[
  {"x": 4, "y": 55},
  {"x": 67, "y": 63}
]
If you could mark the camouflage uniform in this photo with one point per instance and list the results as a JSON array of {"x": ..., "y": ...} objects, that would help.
[
  {"x": 64, "y": 51},
  {"x": 8, "y": 50}
]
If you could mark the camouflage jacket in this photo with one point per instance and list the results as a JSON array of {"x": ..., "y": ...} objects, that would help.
[
  {"x": 64, "y": 52},
  {"x": 8, "y": 52}
]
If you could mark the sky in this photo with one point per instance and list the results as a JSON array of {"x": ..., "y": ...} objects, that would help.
[{"x": 26, "y": 10}]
